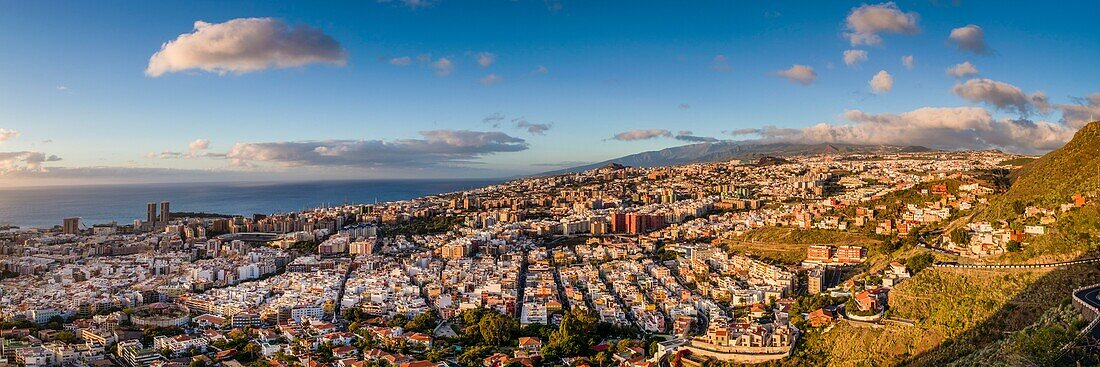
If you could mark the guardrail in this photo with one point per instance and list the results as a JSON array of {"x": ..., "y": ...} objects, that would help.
[
  {"x": 1015, "y": 266},
  {"x": 1084, "y": 304},
  {"x": 1089, "y": 310}
]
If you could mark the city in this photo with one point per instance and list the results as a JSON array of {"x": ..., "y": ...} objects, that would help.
[
  {"x": 549, "y": 183},
  {"x": 654, "y": 258}
]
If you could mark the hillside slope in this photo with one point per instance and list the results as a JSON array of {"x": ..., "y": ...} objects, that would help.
[{"x": 1054, "y": 178}]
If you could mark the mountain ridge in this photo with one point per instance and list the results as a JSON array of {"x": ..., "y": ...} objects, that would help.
[{"x": 730, "y": 150}]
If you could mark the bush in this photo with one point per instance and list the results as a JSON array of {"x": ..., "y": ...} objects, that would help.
[{"x": 919, "y": 262}]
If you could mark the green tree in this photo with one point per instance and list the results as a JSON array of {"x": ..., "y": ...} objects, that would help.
[
  {"x": 960, "y": 236},
  {"x": 573, "y": 337},
  {"x": 919, "y": 262},
  {"x": 472, "y": 357},
  {"x": 1014, "y": 246},
  {"x": 423, "y": 323},
  {"x": 496, "y": 329},
  {"x": 67, "y": 337}
]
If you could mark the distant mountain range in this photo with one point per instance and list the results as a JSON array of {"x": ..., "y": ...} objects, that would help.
[{"x": 729, "y": 150}]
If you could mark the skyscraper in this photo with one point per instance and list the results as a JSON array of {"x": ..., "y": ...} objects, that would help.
[
  {"x": 164, "y": 212},
  {"x": 71, "y": 225},
  {"x": 151, "y": 213}
]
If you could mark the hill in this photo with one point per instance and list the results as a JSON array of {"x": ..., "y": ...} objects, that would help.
[
  {"x": 730, "y": 150},
  {"x": 1054, "y": 178}
]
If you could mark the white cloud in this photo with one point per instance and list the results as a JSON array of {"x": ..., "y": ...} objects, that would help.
[
  {"x": 800, "y": 74},
  {"x": 6, "y": 134},
  {"x": 443, "y": 66},
  {"x": 437, "y": 148},
  {"x": 865, "y": 23},
  {"x": 882, "y": 82},
  {"x": 1001, "y": 95},
  {"x": 962, "y": 70},
  {"x": 486, "y": 59},
  {"x": 491, "y": 79},
  {"x": 853, "y": 57},
  {"x": 401, "y": 61},
  {"x": 245, "y": 45},
  {"x": 720, "y": 64},
  {"x": 909, "y": 62},
  {"x": 24, "y": 161},
  {"x": 1085, "y": 111},
  {"x": 969, "y": 38},
  {"x": 541, "y": 70},
  {"x": 937, "y": 128},
  {"x": 199, "y": 144},
  {"x": 642, "y": 134}
]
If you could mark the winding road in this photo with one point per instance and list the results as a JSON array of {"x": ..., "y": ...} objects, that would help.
[{"x": 1091, "y": 297}]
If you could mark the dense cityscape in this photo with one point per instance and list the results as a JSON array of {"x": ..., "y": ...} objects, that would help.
[
  {"x": 549, "y": 183},
  {"x": 612, "y": 266}
]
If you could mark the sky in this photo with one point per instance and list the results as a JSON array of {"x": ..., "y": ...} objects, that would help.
[{"x": 168, "y": 91}]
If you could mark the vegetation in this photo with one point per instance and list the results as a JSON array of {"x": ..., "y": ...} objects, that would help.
[
  {"x": 573, "y": 337},
  {"x": 1039, "y": 344},
  {"x": 422, "y": 323},
  {"x": 972, "y": 309},
  {"x": 5, "y": 274},
  {"x": 919, "y": 262},
  {"x": 1055, "y": 177},
  {"x": 305, "y": 247},
  {"x": 785, "y": 245},
  {"x": 421, "y": 226},
  {"x": 1075, "y": 234}
]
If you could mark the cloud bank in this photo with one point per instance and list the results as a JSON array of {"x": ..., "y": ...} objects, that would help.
[
  {"x": 245, "y": 45},
  {"x": 24, "y": 161},
  {"x": 1085, "y": 111},
  {"x": 1002, "y": 96},
  {"x": 938, "y": 128},
  {"x": 436, "y": 148}
]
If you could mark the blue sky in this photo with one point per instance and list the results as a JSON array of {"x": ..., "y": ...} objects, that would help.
[{"x": 73, "y": 84}]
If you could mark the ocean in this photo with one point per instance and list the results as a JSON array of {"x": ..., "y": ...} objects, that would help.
[{"x": 47, "y": 206}]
